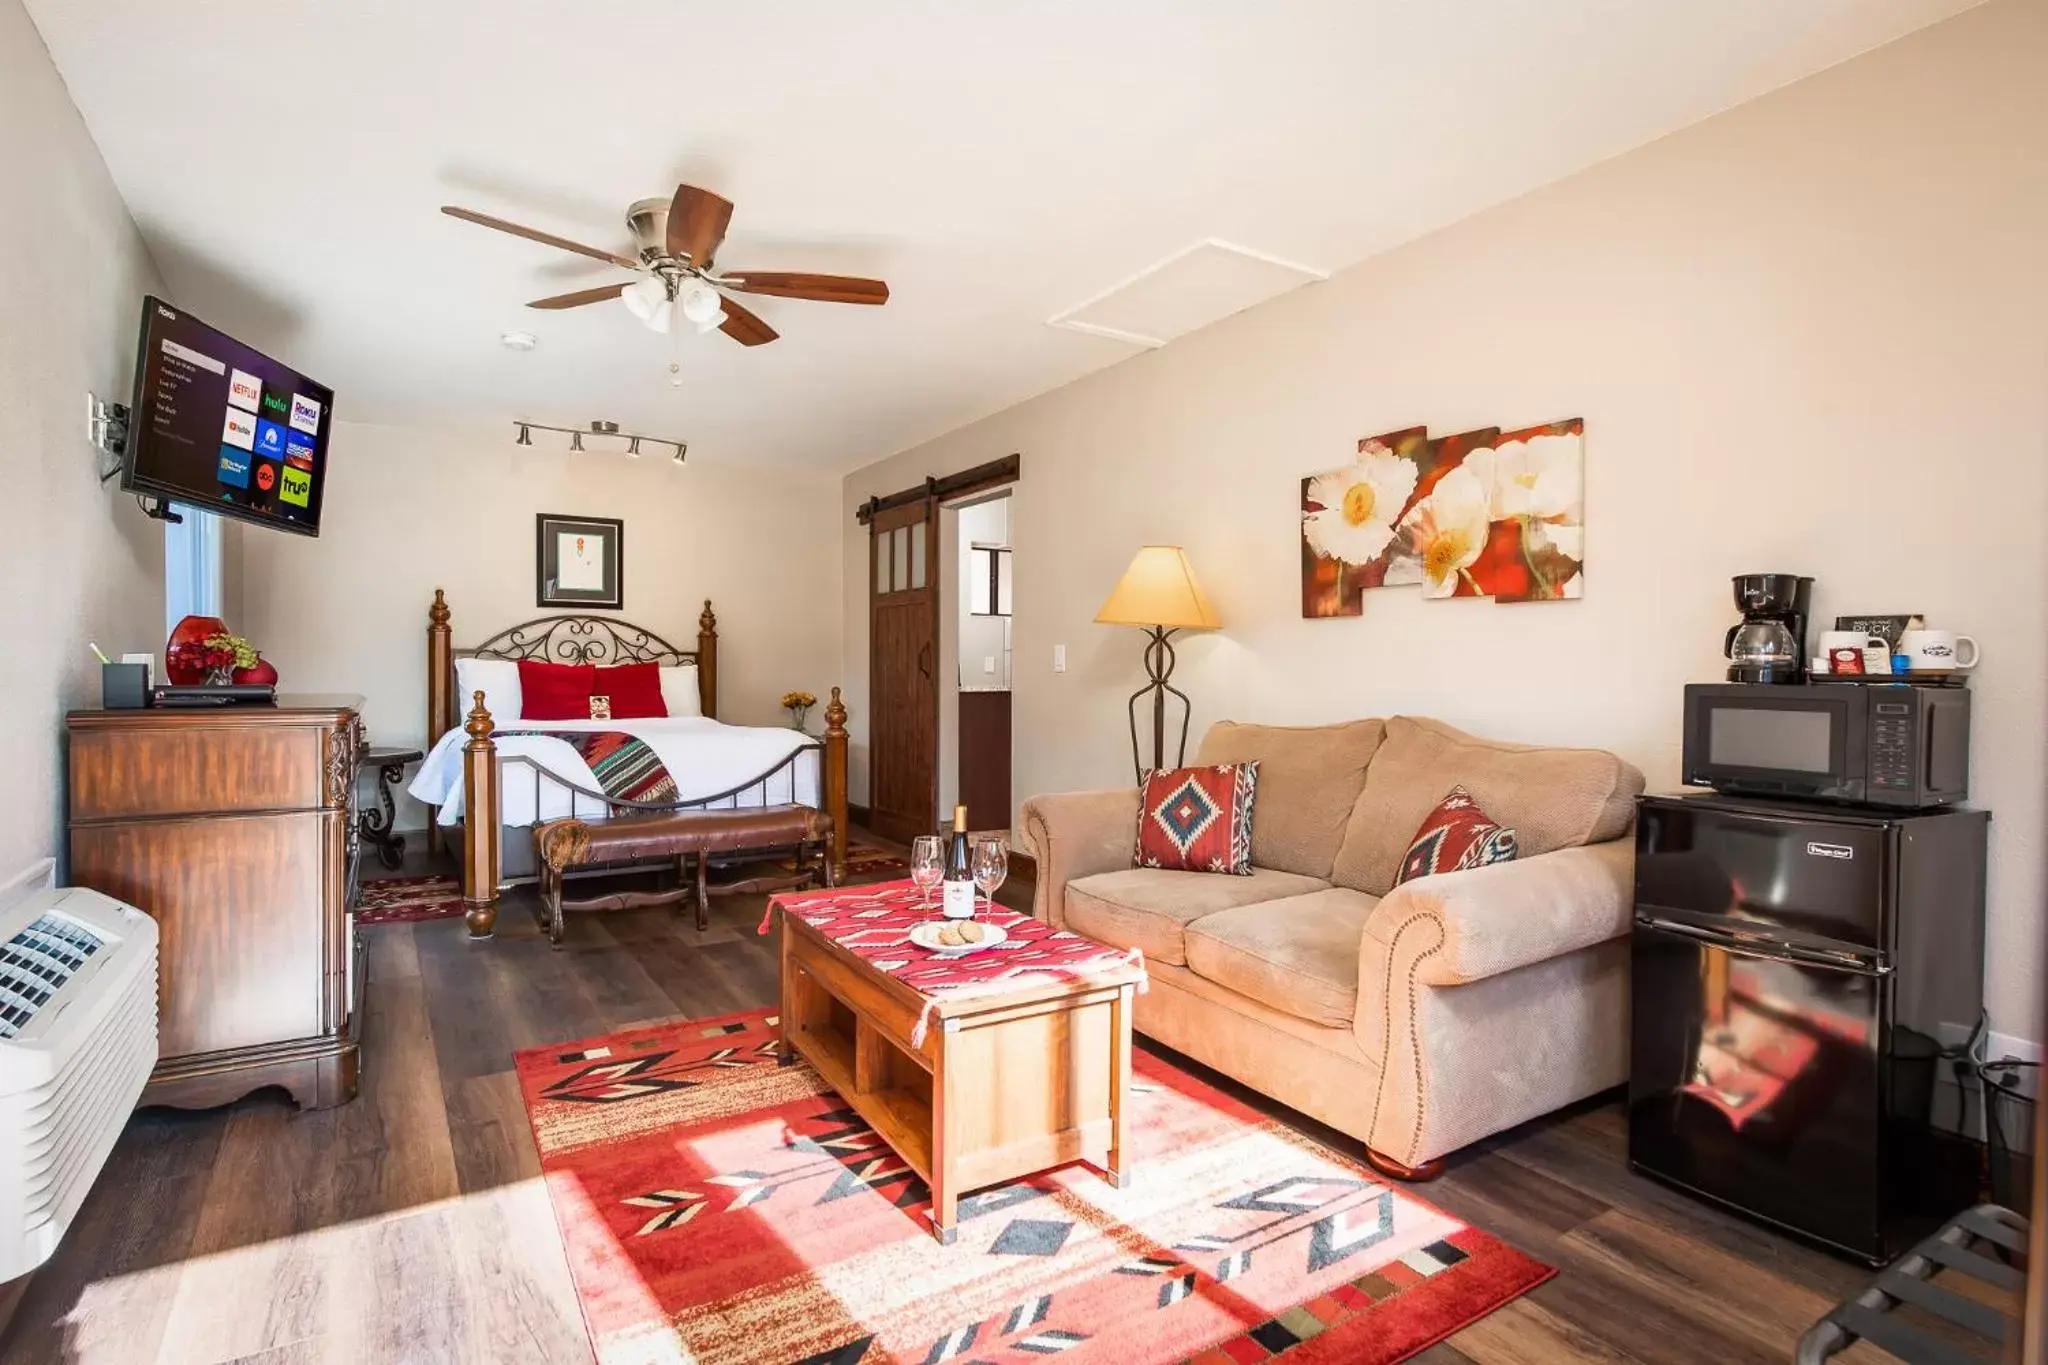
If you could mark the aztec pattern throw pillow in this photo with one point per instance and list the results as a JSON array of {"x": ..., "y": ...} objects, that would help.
[
  {"x": 1455, "y": 836},
  {"x": 1197, "y": 819}
]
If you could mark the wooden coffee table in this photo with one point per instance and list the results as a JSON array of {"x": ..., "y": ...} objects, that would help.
[{"x": 1004, "y": 1084}]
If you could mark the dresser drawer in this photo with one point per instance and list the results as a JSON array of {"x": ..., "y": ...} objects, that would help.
[{"x": 141, "y": 772}]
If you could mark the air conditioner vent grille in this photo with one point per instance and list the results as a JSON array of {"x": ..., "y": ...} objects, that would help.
[{"x": 36, "y": 962}]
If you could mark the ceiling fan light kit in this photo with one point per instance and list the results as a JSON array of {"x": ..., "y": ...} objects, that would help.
[
  {"x": 678, "y": 241},
  {"x": 602, "y": 430}
]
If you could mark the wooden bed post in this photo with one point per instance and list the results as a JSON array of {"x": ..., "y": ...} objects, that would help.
[
  {"x": 835, "y": 780},
  {"x": 707, "y": 660},
  {"x": 480, "y": 824},
  {"x": 440, "y": 675}
]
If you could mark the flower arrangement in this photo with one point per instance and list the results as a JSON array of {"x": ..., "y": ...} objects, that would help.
[
  {"x": 799, "y": 705},
  {"x": 218, "y": 656}
]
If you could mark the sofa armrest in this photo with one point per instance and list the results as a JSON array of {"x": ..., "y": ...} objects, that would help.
[
  {"x": 1077, "y": 834},
  {"x": 1489, "y": 920}
]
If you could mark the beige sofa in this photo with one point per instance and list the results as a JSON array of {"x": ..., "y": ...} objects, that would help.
[{"x": 1416, "y": 1018}]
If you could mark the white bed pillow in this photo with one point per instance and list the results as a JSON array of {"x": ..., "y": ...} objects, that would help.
[
  {"x": 679, "y": 691},
  {"x": 497, "y": 679}
]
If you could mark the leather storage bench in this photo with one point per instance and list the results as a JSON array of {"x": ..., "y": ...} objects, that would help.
[{"x": 685, "y": 835}]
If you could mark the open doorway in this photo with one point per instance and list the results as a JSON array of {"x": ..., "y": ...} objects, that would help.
[{"x": 974, "y": 699}]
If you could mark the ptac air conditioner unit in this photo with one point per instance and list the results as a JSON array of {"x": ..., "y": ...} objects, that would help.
[{"x": 77, "y": 1043}]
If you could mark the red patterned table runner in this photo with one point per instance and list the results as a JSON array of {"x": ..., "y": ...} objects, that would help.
[{"x": 873, "y": 923}]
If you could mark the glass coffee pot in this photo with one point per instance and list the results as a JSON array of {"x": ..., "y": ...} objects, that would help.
[{"x": 1763, "y": 643}]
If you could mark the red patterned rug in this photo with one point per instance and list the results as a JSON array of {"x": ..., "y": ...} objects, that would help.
[
  {"x": 406, "y": 900},
  {"x": 720, "y": 1208}
]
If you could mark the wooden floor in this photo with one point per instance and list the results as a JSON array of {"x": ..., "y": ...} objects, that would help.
[{"x": 409, "y": 1225}]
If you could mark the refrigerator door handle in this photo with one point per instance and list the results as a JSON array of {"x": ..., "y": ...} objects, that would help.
[{"x": 1776, "y": 952}]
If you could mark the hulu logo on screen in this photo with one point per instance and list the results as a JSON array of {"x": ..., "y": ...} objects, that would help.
[{"x": 277, "y": 406}]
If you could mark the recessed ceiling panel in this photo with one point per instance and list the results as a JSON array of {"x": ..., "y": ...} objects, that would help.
[{"x": 1188, "y": 290}]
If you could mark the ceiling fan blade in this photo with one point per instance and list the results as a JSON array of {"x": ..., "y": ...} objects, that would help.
[
  {"x": 789, "y": 285},
  {"x": 536, "y": 235},
  {"x": 696, "y": 224},
  {"x": 744, "y": 327},
  {"x": 603, "y": 293}
]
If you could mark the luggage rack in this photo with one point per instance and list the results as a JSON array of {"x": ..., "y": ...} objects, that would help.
[{"x": 1955, "y": 1247}]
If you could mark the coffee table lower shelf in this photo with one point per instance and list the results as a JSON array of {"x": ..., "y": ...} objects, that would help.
[{"x": 1004, "y": 1089}]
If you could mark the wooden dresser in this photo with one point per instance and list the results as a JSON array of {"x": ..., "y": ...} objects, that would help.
[{"x": 232, "y": 827}]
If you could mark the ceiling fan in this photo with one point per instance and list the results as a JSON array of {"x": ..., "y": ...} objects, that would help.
[{"x": 678, "y": 240}]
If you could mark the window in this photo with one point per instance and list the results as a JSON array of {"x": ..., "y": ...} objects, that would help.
[
  {"x": 192, "y": 568},
  {"x": 989, "y": 584}
]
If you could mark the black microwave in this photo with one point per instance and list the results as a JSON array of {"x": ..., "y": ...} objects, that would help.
[{"x": 1866, "y": 744}]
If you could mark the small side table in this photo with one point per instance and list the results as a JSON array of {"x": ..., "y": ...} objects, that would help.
[{"x": 375, "y": 824}]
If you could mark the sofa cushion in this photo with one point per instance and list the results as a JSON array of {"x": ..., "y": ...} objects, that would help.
[
  {"x": 1551, "y": 798},
  {"x": 1309, "y": 779},
  {"x": 1146, "y": 908},
  {"x": 1456, "y": 835},
  {"x": 1197, "y": 819},
  {"x": 1298, "y": 955}
]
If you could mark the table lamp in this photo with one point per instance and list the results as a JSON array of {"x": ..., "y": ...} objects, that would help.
[{"x": 1159, "y": 593}]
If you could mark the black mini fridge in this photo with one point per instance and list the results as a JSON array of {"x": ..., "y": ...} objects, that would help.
[{"x": 1798, "y": 972}]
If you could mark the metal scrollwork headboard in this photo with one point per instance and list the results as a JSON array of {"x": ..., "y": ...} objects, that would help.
[
  {"x": 563, "y": 640},
  {"x": 581, "y": 640}
]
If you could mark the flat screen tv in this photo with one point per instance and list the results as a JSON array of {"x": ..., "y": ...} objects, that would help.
[{"x": 221, "y": 427}]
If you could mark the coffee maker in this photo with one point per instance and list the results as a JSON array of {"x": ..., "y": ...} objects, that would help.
[{"x": 1769, "y": 645}]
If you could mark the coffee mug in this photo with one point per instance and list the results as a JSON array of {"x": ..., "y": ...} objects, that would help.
[
  {"x": 1832, "y": 640},
  {"x": 1938, "y": 651}
]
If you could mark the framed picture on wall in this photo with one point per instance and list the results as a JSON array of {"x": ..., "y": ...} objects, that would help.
[{"x": 579, "y": 562}]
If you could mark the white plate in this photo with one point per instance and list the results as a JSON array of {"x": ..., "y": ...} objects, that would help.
[{"x": 926, "y": 935}]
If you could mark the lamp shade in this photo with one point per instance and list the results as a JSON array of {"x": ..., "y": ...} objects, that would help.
[{"x": 1159, "y": 589}]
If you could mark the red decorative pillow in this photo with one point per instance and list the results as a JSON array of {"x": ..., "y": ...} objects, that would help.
[
  {"x": 1455, "y": 836},
  {"x": 554, "y": 691},
  {"x": 635, "y": 690},
  {"x": 1197, "y": 819}
]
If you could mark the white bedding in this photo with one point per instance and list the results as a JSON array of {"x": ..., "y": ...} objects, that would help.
[{"x": 704, "y": 757}]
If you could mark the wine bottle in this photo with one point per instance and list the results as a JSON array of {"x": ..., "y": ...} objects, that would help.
[{"x": 958, "y": 888}]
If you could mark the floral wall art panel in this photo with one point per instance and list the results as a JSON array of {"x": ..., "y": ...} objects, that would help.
[
  {"x": 1348, "y": 517},
  {"x": 1536, "y": 545}
]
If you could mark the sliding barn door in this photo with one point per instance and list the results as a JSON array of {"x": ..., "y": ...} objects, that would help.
[{"x": 903, "y": 659}]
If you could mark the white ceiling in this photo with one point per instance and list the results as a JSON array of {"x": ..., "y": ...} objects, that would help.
[{"x": 997, "y": 163}]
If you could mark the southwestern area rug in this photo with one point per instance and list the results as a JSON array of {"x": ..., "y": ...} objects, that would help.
[
  {"x": 718, "y": 1207},
  {"x": 407, "y": 900}
]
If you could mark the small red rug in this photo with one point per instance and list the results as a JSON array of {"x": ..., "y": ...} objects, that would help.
[
  {"x": 406, "y": 900},
  {"x": 720, "y": 1208}
]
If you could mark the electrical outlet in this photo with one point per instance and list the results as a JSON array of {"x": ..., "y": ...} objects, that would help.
[
  {"x": 1999, "y": 1047},
  {"x": 1059, "y": 658}
]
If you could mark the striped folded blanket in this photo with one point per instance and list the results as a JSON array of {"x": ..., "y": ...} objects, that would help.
[{"x": 625, "y": 766}]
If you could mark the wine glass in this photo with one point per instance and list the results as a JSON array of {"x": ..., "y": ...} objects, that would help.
[
  {"x": 927, "y": 866},
  {"x": 991, "y": 866}
]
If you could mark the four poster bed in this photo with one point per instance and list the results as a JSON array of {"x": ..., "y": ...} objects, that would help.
[{"x": 497, "y": 778}]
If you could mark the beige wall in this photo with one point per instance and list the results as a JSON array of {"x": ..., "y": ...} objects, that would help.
[
  {"x": 1809, "y": 334},
  {"x": 79, "y": 561},
  {"x": 408, "y": 511}
]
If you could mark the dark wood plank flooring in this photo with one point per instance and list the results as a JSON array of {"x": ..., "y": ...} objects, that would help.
[{"x": 410, "y": 1225}]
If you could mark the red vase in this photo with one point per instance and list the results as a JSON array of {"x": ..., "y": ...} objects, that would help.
[
  {"x": 258, "y": 672},
  {"x": 186, "y": 639}
]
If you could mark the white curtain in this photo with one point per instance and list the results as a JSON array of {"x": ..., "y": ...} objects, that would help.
[{"x": 192, "y": 569}]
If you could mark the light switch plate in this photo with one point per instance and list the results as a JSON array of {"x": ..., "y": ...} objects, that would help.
[
  {"x": 1059, "y": 658},
  {"x": 988, "y": 663}
]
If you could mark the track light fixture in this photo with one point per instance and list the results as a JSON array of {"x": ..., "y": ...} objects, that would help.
[{"x": 601, "y": 430}]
